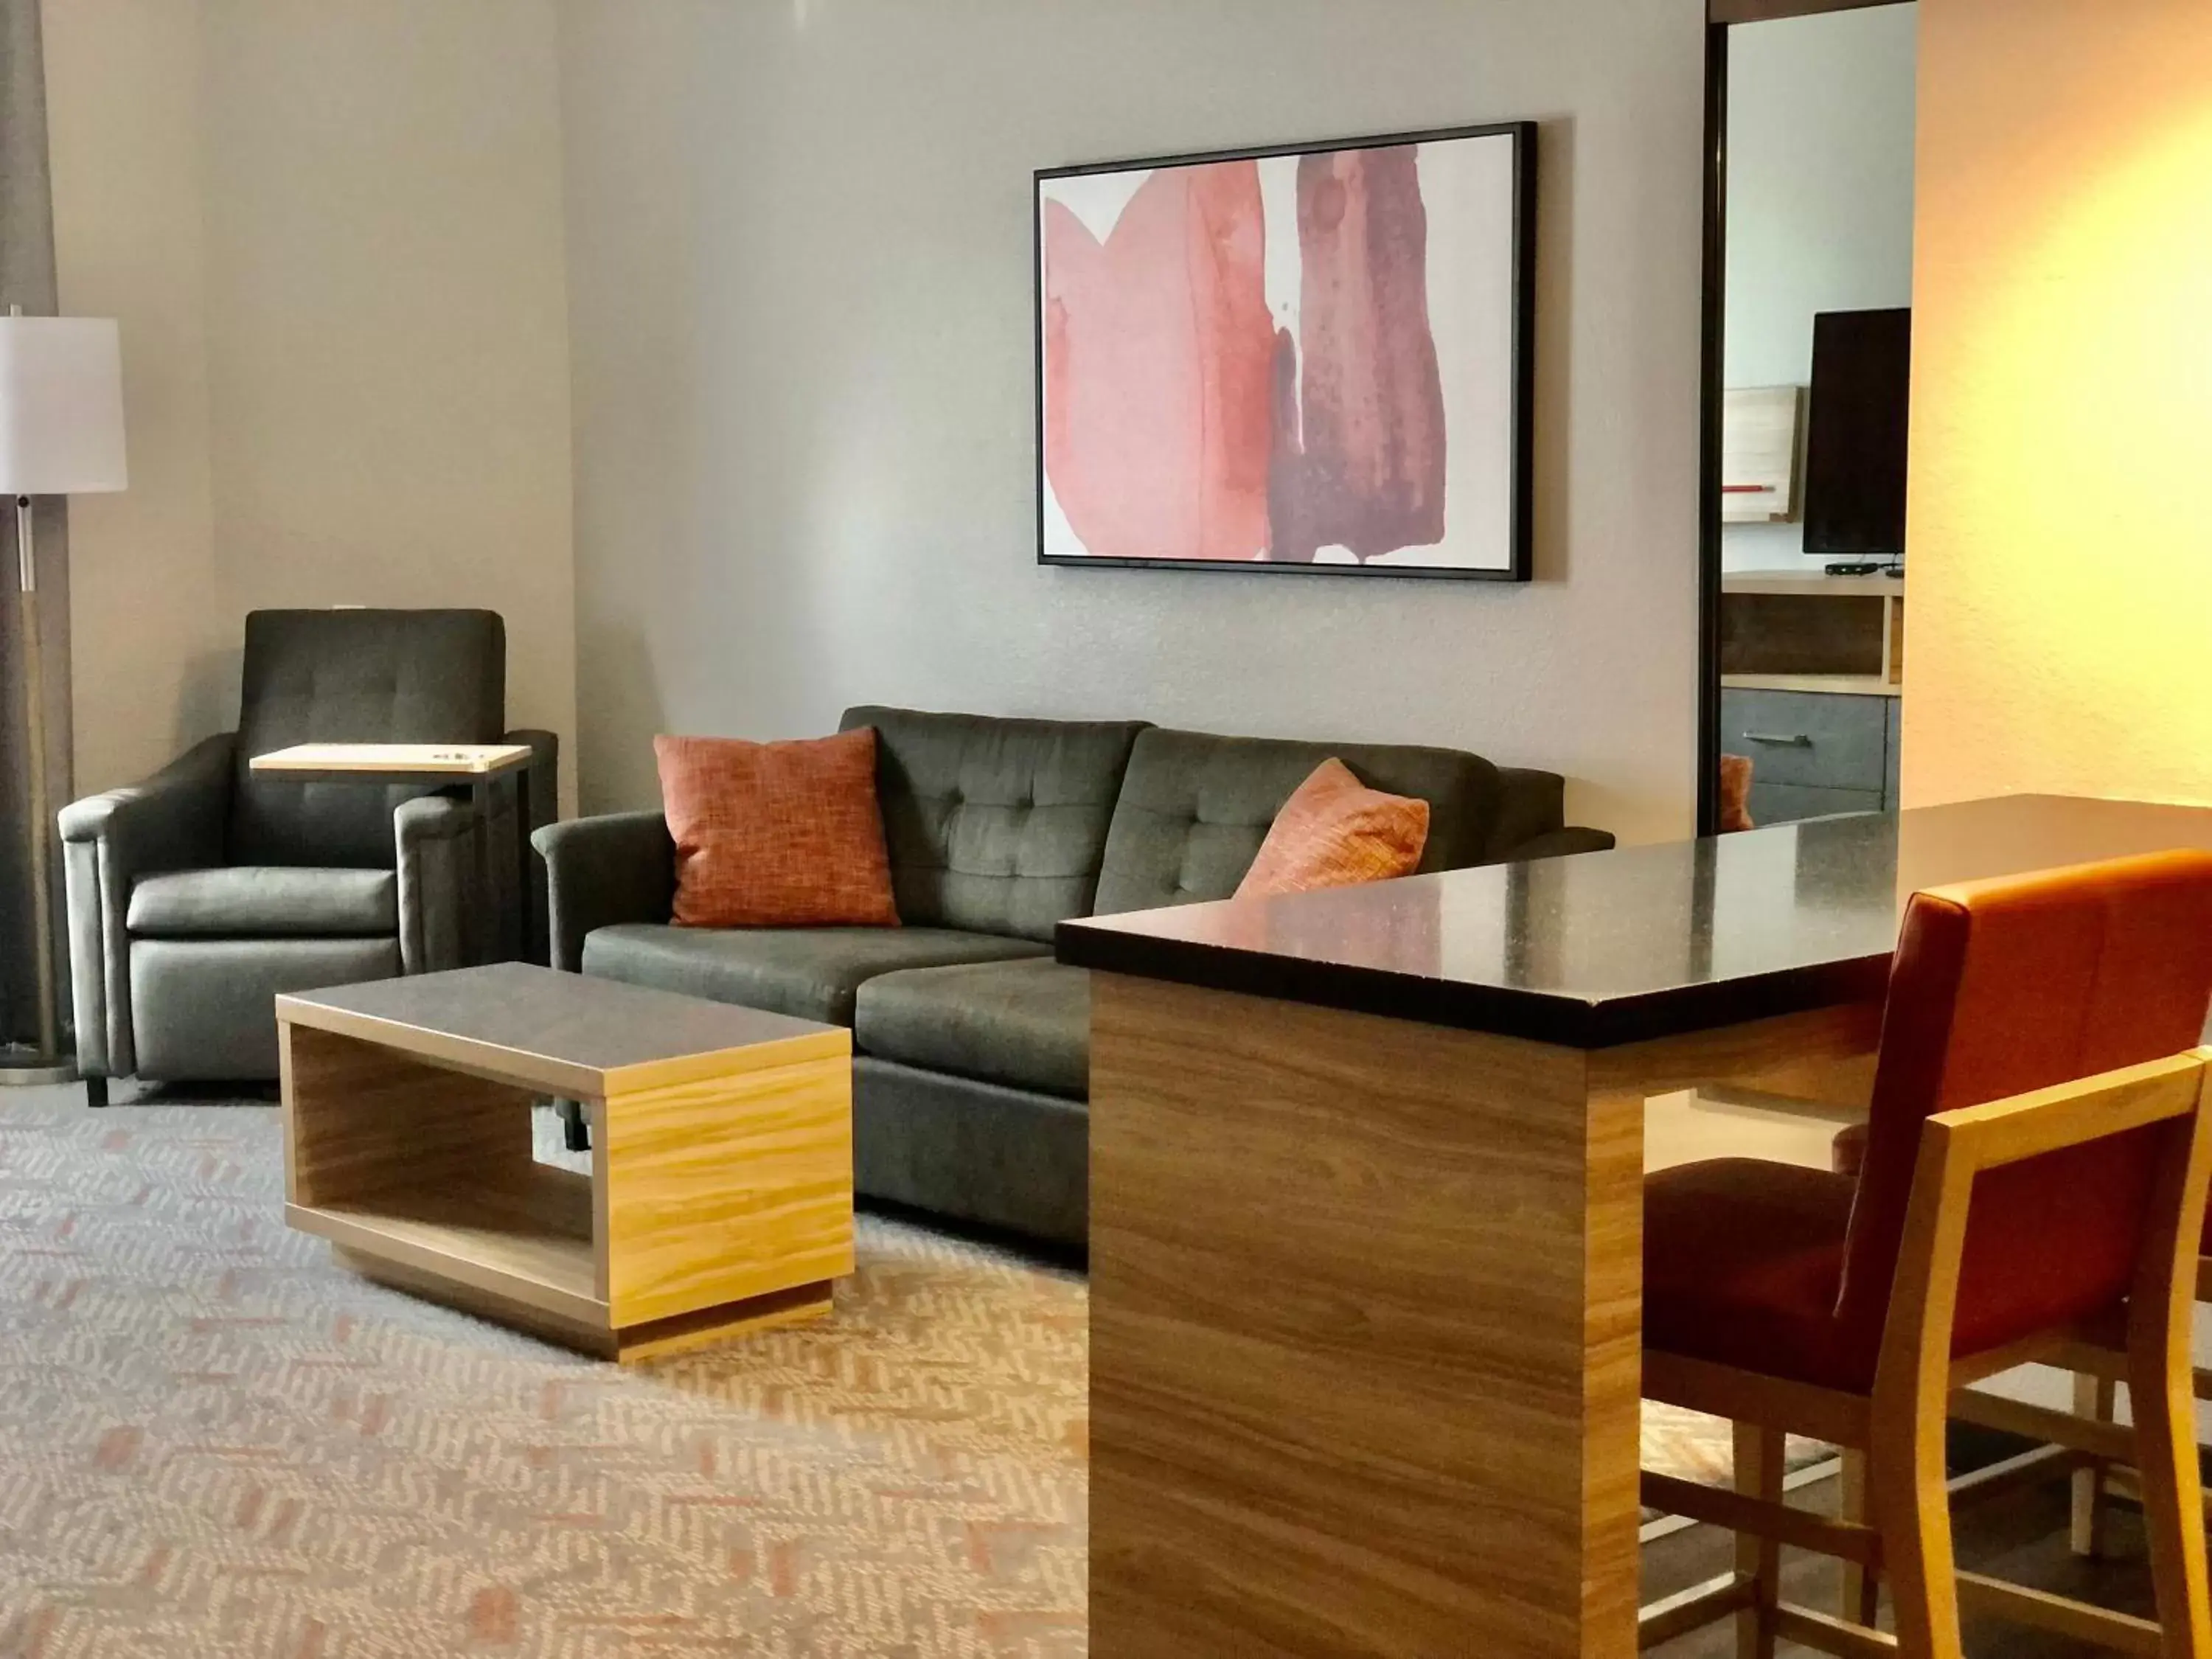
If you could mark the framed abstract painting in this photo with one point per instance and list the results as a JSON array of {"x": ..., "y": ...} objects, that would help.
[{"x": 1312, "y": 358}]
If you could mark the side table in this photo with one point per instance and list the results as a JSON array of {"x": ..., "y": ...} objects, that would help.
[{"x": 478, "y": 765}]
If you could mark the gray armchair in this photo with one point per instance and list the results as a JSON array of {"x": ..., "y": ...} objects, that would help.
[{"x": 198, "y": 896}]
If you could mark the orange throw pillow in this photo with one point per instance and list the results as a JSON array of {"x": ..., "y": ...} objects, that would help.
[
  {"x": 776, "y": 834},
  {"x": 1334, "y": 831}
]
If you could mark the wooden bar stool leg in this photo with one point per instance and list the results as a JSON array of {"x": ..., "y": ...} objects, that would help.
[
  {"x": 1861, "y": 1596},
  {"x": 2094, "y": 1397},
  {"x": 2172, "y": 1499},
  {"x": 1911, "y": 1505},
  {"x": 1758, "y": 1458}
]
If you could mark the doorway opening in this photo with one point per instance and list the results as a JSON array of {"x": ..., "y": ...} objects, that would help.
[{"x": 1808, "y": 291}]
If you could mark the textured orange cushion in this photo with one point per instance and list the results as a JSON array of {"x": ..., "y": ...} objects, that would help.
[
  {"x": 1334, "y": 831},
  {"x": 776, "y": 834}
]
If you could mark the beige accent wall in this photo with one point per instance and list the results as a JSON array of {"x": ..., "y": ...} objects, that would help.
[
  {"x": 333, "y": 236},
  {"x": 126, "y": 135},
  {"x": 2061, "y": 549},
  {"x": 800, "y": 269}
]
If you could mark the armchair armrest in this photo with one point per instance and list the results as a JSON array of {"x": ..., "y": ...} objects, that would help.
[
  {"x": 600, "y": 871},
  {"x": 434, "y": 837},
  {"x": 174, "y": 820},
  {"x": 438, "y": 850}
]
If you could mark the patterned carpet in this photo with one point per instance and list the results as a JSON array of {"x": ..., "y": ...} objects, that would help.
[{"x": 213, "y": 1442}]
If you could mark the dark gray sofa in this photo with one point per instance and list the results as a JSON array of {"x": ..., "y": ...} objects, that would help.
[{"x": 972, "y": 1063}]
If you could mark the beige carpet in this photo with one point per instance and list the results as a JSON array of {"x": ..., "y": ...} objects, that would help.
[{"x": 213, "y": 1442}]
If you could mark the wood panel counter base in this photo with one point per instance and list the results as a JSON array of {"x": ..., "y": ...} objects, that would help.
[
  {"x": 1366, "y": 1212},
  {"x": 1354, "y": 1328},
  {"x": 1366, "y": 1331}
]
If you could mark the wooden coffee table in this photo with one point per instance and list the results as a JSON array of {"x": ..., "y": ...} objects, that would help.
[{"x": 719, "y": 1198}]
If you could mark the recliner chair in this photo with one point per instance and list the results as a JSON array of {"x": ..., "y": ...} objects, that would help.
[{"x": 198, "y": 896}]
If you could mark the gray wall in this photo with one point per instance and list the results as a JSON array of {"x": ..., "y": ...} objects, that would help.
[{"x": 799, "y": 276}]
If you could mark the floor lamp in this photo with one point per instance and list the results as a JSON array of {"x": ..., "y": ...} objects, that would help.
[{"x": 61, "y": 434}]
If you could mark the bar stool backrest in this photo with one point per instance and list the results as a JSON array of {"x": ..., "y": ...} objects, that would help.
[{"x": 2004, "y": 987}]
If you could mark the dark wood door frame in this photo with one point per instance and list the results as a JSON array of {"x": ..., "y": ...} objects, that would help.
[
  {"x": 1720, "y": 16},
  {"x": 1766, "y": 11},
  {"x": 1715, "y": 309}
]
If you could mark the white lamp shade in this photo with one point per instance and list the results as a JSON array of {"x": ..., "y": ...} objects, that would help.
[{"x": 61, "y": 406}]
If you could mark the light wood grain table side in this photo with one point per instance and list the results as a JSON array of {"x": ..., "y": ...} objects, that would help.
[
  {"x": 726, "y": 1200},
  {"x": 1366, "y": 1322},
  {"x": 444, "y": 760}
]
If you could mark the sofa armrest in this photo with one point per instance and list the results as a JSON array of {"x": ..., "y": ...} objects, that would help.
[
  {"x": 1530, "y": 803},
  {"x": 434, "y": 839},
  {"x": 600, "y": 870},
  {"x": 174, "y": 820},
  {"x": 1558, "y": 844}
]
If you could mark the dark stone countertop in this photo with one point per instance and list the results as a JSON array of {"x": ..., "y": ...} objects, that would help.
[{"x": 1605, "y": 948}]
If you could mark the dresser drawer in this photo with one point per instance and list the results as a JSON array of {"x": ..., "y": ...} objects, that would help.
[
  {"x": 1787, "y": 803},
  {"x": 1823, "y": 740}
]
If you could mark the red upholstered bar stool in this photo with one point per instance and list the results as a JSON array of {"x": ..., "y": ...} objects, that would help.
[
  {"x": 2037, "y": 1167},
  {"x": 2095, "y": 1389}
]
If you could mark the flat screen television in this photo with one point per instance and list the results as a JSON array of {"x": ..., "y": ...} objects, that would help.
[{"x": 1856, "y": 436}]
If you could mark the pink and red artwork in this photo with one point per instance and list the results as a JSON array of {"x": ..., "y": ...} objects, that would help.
[{"x": 1303, "y": 359}]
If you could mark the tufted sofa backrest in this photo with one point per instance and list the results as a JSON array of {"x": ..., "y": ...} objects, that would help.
[
  {"x": 995, "y": 826},
  {"x": 1195, "y": 806}
]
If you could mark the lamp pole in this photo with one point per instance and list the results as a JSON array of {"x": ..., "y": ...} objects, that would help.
[
  {"x": 61, "y": 432},
  {"x": 47, "y": 1065}
]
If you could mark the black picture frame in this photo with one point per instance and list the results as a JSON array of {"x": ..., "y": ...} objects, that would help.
[{"x": 1522, "y": 425}]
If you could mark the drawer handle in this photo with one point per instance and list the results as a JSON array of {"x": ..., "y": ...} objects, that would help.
[{"x": 1796, "y": 740}]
